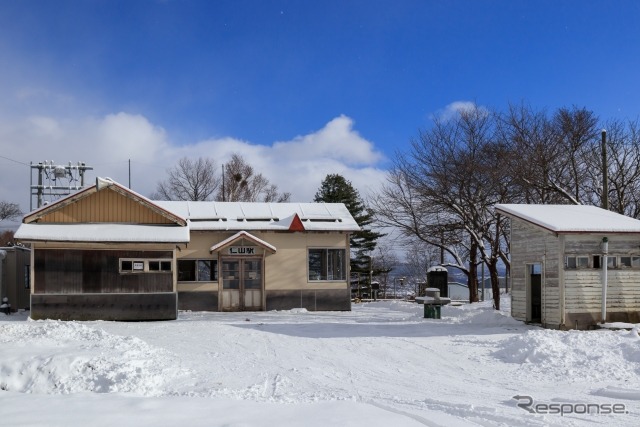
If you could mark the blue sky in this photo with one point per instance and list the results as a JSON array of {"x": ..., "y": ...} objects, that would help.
[{"x": 301, "y": 88}]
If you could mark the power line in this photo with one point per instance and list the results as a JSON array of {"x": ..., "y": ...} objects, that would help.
[{"x": 15, "y": 161}]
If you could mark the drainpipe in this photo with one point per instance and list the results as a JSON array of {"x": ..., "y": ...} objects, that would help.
[
  {"x": 605, "y": 251},
  {"x": 3, "y": 255}
]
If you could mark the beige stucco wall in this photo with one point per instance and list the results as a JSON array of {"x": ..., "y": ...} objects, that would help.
[{"x": 284, "y": 270}]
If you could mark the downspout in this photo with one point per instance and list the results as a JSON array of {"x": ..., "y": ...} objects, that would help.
[
  {"x": 605, "y": 251},
  {"x": 543, "y": 288},
  {"x": 3, "y": 255},
  {"x": 561, "y": 263}
]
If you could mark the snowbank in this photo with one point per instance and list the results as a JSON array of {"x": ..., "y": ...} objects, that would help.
[
  {"x": 55, "y": 357},
  {"x": 380, "y": 364},
  {"x": 575, "y": 356}
]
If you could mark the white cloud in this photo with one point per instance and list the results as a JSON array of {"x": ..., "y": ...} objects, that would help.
[
  {"x": 337, "y": 140},
  {"x": 297, "y": 165},
  {"x": 456, "y": 107}
]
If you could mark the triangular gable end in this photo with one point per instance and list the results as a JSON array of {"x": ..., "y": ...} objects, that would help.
[
  {"x": 110, "y": 204},
  {"x": 242, "y": 235},
  {"x": 296, "y": 224}
]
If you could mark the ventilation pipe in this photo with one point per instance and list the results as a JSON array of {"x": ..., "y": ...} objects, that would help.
[{"x": 605, "y": 251}]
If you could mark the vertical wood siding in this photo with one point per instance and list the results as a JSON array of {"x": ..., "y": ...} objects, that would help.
[
  {"x": 66, "y": 271},
  {"x": 531, "y": 245},
  {"x": 105, "y": 206}
]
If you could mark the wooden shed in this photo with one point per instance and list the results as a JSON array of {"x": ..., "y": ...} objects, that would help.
[
  {"x": 573, "y": 267},
  {"x": 14, "y": 276}
]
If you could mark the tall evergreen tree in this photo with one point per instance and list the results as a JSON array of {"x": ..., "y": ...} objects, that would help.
[{"x": 336, "y": 189}]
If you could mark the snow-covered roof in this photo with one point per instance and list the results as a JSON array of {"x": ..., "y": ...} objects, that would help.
[
  {"x": 103, "y": 232},
  {"x": 262, "y": 216},
  {"x": 572, "y": 218}
]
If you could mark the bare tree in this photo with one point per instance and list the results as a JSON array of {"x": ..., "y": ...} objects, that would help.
[
  {"x": 418, "y": 259},
  {"x": 548, "y": 160},
  {"x": 623, "y": 156},
  {"x": 9, "y": 211},
  {"x": 193, "y": 180},
  {"x": 6, "y": 238},
  {"x": 243, "y": 184},
  {"x": 445, "y": 190},
  {"x": 384, "y": 262}
]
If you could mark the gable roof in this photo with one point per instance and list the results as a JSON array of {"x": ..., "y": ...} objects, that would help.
[
  {"x": 106, "y": 212},
  {"x": 571, "y": 219},
  {"x": 83, "y": 196},
  {"x": 239, "y": 236}
]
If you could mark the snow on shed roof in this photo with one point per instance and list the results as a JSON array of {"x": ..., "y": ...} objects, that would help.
[
  {"x": 262, "y": 216},
  {"x": 572, "y": 218},
  {"x": 103, "y": 232}
]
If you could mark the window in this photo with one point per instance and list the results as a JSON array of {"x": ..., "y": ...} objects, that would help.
[
  {"x": 573, "y": 262},
  {"x": 27, "y": 276},
  {"x": 626, "y": 261},
  {"x": 158, "y": 265},
  {"x": 128, "y": 265},
  {"x": 327, "y": 264},
  {"x": 197, "y": 270},
  {"x": 613, "y": 262}
]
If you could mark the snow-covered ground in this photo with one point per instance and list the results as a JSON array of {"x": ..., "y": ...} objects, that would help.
[{"x": 381, "y": 364}]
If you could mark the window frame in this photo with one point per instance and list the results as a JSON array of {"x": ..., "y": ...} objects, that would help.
[
  {"x": 324, "y": 276},
  {"x": 633, "y": 259},
  {"x": 166, "y": 262},
  {"x": 614, "y": 262},
  {"x": 578, "y": 266},
  {"x": 213, "y": 270}
]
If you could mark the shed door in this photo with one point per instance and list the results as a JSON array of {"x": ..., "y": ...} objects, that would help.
[
  {"x": 242, "y": 284},
  {"x": 534, "y": 280}
]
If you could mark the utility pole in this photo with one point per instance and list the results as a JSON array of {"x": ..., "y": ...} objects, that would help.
[
  {"x": 56, "y": 180},
  {"x": 223, "y": 192},
  {"x": 482, "y": 280},
  {"x": 605, "y": 172}
]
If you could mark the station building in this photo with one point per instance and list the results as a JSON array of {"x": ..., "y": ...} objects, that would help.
[{"x": 109, "y": 253}]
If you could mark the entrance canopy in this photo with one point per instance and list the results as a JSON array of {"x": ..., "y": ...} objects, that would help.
[{"x": 240, "y": 236}]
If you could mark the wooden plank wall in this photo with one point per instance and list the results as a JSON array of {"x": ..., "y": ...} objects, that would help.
[
  {"x": 584, "y": 286},
  {"x": 105, "y": 206},
  {"x": 531, "y": 245},
  {"x": 67, "y": 271}
]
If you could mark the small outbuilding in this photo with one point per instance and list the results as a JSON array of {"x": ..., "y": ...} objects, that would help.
[
  {"x": 109, "y": 253},
  {"x": 573, "y": 267},
  {"x": 15, "y": 276}
]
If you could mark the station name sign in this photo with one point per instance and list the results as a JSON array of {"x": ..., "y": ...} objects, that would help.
[{"x": 242, "y": 250}]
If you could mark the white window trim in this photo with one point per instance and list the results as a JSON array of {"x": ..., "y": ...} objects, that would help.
[{"x": 344, "y": 267}]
